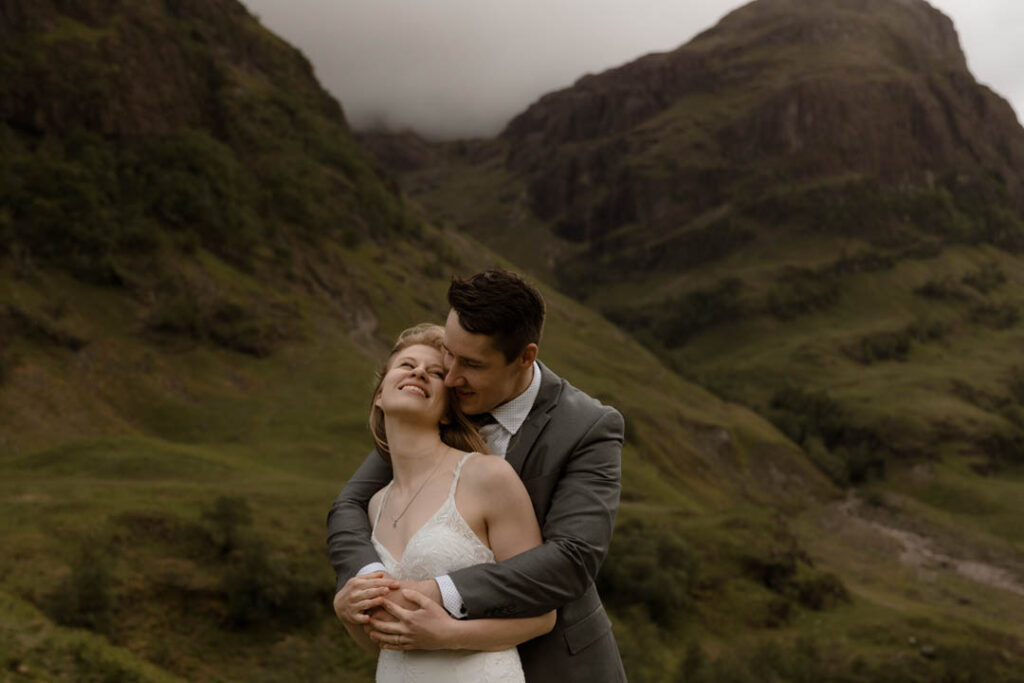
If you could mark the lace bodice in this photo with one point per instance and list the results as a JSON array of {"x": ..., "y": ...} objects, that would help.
[{"x": 443, "y": 544}]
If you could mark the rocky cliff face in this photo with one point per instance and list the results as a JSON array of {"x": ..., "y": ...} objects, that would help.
[
  {"x": 140, "y": 68},
  {"x": 779, "y": 90},
  {"x": 127, "y": 127}
]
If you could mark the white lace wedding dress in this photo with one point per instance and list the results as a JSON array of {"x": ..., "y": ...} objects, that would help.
[{"x": 443, "y": 544}]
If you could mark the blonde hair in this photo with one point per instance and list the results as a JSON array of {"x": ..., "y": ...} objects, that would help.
[{"x": 456, "y": 429}]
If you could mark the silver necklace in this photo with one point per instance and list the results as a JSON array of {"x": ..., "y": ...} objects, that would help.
[{"x": 394, "y": 519}]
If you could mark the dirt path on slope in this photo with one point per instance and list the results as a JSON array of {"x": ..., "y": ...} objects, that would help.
[{"x": 920, "y": 552}]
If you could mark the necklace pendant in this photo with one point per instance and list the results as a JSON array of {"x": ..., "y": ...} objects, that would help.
[{"x": 394, "y": 523}]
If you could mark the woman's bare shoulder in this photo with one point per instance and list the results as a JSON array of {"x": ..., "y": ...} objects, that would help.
[
  {"x": 490, "y": 477},
  {"x": 487, "y": 469}
]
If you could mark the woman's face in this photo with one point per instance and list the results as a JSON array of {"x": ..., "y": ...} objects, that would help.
[{"x": 414, "y": 384}]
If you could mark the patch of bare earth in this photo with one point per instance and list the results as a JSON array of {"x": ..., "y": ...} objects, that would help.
[{"x": 920, "y": 552}]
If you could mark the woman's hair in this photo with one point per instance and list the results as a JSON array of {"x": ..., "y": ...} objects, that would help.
[{"x": 456, "y": 429}]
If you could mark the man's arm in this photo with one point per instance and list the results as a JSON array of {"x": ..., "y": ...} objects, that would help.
[
  {"x": 577, "y": 532},
  {"x": 348, "y": 527}
]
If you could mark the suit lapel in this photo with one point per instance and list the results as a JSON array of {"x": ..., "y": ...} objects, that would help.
[{"x": 547, "y": 398}]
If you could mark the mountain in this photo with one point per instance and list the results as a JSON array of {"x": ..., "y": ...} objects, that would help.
[
  {"x": 814, "y": 210},
  {"x": 815, "y": 196},
  {"x": 200, "y": 268}
]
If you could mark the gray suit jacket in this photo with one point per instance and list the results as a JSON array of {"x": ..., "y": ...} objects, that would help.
[{"x": 568, "y": 454}]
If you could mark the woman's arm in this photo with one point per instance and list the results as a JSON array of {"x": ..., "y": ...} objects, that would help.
[{"x": 419, "y": 623}]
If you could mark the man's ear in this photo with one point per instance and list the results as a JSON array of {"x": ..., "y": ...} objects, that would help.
[{"x": 528, "y": 355}]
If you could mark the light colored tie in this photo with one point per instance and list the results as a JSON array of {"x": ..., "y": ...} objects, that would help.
[{"x": 496, "y": 437}]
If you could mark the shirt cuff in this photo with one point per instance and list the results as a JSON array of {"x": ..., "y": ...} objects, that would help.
[
  {"x": 450, "y": 597},
  {"x": 372, "y": 567}
]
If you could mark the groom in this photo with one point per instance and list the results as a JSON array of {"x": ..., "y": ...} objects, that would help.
[{"x": 566, "y": 447}]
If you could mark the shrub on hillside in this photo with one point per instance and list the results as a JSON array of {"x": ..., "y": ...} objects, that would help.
[
  {"x": 979, "y": 397},
  {"x": 869, "y": 261},
  {"x": 40, "y": 327},
  {"x": 880, "y": 346},
  {"x": 699, "y": 247},
  {"x": 227, "y": 518},
  {"x": 652, "y": 565},
  {"x": 815, "y": 420},
  {"x": 85, "y": 598},
  {"x": 699, "y": 310},
  {"x": 896, "y": 344},
  {"x": 942, "y": 289},
  {"x": 1003, "y": 449},
  {"x": 799, "y": 291},
  {"x": 191, "y": 182},
  {"x": 1015, "y": 383},
  {"x": 997, "y": 316},
  {"x": 927, "y": 330},
  {"x": 188, "y": 310},
  {"x": 813, "y": 414},
  {"x": 770, "y": 555},
  {"x": 263, "y": 590},
  {"x": 987, "y": 278}
]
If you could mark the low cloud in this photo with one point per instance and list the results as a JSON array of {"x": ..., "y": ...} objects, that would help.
[{"x": 463, "y": 68}]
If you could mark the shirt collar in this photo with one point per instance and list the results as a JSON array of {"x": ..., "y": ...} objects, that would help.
[{"x": 512, "y": 414}]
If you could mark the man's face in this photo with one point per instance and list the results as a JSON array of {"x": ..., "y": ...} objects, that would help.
[{"x": 477, "y": 370}]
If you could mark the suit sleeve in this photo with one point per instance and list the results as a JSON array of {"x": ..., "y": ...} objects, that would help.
[
  {"x": 577, "y": 532},
  {"x": 348, "y": 528}
]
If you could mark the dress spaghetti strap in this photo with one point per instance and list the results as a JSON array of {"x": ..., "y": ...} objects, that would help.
[
  {"x": 457, "y": 472},
  {"x": 383, "y": 499}
]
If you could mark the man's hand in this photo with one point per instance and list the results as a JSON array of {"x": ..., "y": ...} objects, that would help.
[
  {"x": 418, "y": 623},
  {"x": 426, "y": 588},
  {"x": 360, "y": 594}
]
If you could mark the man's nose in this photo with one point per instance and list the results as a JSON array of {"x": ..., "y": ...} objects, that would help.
[{"x": 452, "y": 378}]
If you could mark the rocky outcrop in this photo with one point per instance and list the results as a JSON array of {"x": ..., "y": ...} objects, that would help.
[
  {"x": 778, "y": 91},
  {"x": 138, "y": 68}
]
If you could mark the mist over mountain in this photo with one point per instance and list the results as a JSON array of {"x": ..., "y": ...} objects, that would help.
[{"x": 458, "y": 69}]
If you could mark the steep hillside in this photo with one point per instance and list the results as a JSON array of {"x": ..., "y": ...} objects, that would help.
[{"x": 199, "y": 270}]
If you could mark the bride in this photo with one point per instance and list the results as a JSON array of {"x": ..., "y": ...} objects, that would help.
[{"x": 446, "y": 508}]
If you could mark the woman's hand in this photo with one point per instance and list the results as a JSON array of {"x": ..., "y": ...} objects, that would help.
[
  {"x": 360, "y": 594},
  {"x": 418, "y": 623}
]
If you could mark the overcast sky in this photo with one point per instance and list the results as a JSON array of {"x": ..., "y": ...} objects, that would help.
[{"x": 460, "y": 68}]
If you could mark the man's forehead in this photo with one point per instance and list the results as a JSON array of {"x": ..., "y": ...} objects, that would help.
[{"x": 470, "y": 346}]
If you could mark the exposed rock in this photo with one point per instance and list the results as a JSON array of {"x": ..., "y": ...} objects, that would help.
[{"x": 779, "y": 90}]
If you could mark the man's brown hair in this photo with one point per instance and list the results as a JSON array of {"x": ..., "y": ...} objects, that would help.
[{"x": 501, "y": 305}]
